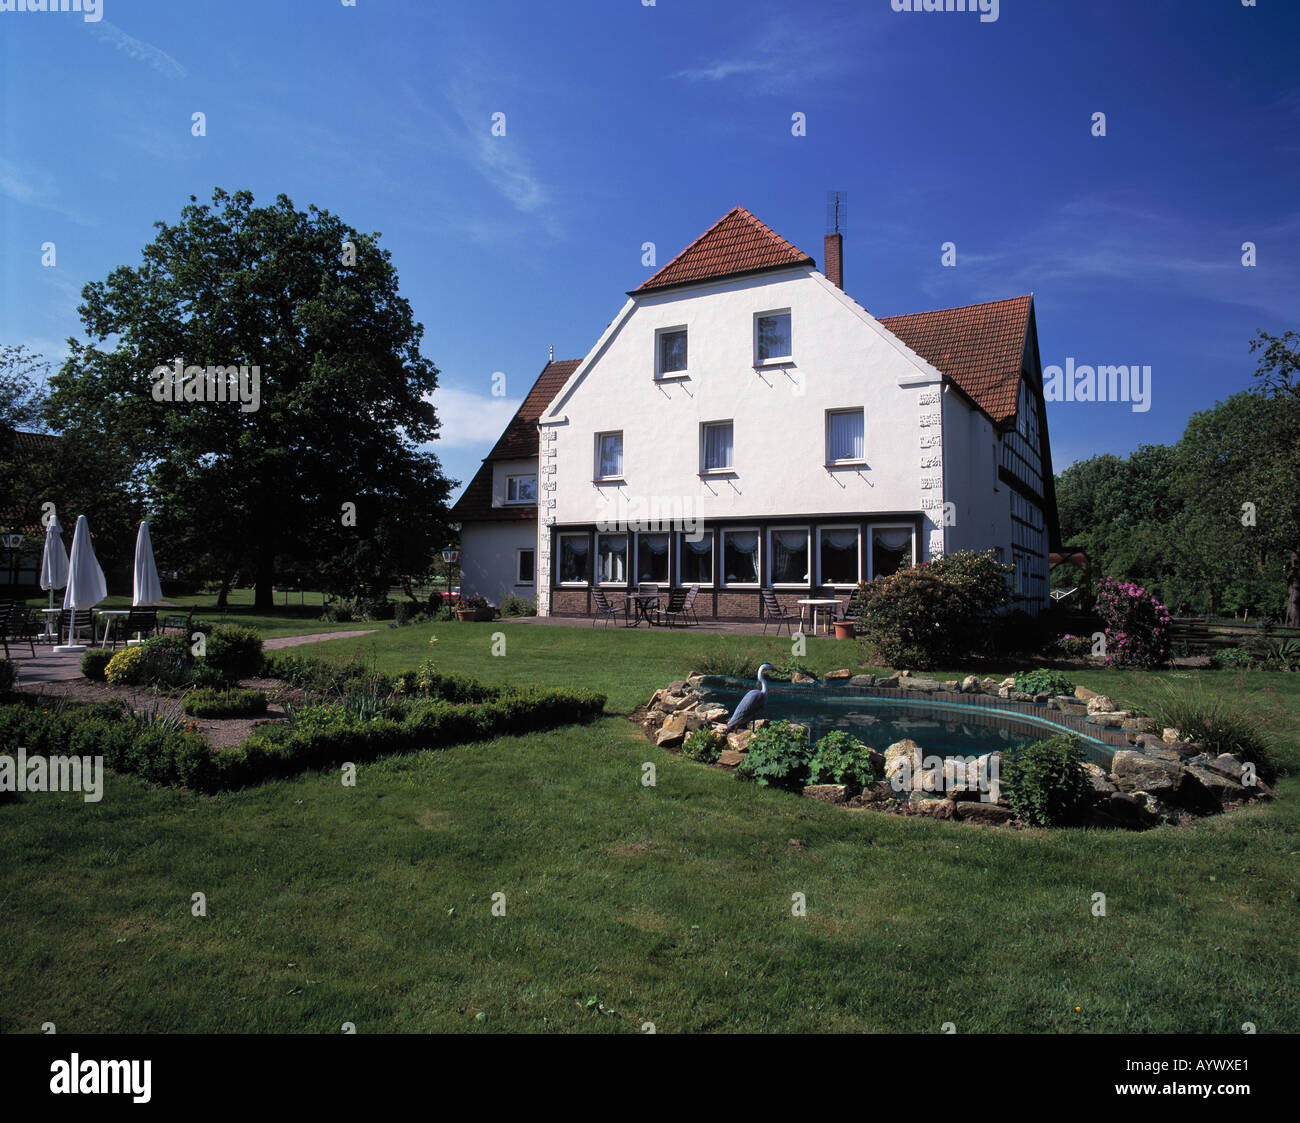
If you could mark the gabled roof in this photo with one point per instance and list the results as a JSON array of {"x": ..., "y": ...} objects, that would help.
[
  {"x": 518, "y": 442},
  {"x": 736, "y": 244},
  {"x": 979, "y": 346},
  {"x": 28, "y": 448}
]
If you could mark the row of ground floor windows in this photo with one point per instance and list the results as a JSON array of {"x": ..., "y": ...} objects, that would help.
[{"x": 739, "y": 557}]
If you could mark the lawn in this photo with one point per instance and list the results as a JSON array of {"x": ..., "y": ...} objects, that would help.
[{"x": 624, "y": 903}]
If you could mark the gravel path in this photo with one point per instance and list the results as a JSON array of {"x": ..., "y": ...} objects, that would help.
[{"x": 320, "y": 637}]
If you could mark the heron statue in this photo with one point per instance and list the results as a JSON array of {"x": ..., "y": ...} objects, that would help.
[{"x": 752, "y": 704}]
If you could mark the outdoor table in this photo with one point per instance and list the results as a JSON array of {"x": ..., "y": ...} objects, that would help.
[
  {"x": 107, "y": 614},
  {"x": 51, "y": 618},
  {"x": 816, "y": 603},
  {"x": 642, "y": 603}
]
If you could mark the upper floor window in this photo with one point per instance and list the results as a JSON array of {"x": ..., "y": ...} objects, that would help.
[
  {"x": 609, "y": 456},
  {"x": 772, "y": 337},
  {"x": 671, "y": 358},
  {"x": 845, "y": 435},
  {"x": 716, "y": 446},
  {"x": 521, "y": 489}
]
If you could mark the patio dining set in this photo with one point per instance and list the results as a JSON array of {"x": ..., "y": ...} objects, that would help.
[
  {"x": 20, "y": 626},
  {"x": 650, "y": 606}
]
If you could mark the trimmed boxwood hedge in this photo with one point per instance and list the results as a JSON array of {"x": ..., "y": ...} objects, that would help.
[
  {"x": 322, "y": 736},
  {"x": 224, "y": 703}
]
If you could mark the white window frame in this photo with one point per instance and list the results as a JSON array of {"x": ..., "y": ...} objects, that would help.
[
  {"x": 848, "y": 460},
  {"x": 721, "y": 547},
  {"x": 628, "y": 560},
  {"x": 559, "y": 557},
  {"x": 595, "y": 471},
  {"x": 807, "y": 582},
  {"x": 636, "y": 558},
  {"x": 730, "y": 470},
  {"x": 870, "y": 546},
  {"x": 662, "y": 375},
  {"x": 774, "y": 360},
  {"x": 821, "y": 577},
  {"x": 519, "y": 554},
  {"x": 521, "y": 502},
  {"x": 680, "y": 538}
]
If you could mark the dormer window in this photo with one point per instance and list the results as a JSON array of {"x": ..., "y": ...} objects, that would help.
[
  {"x": 521, "y": 489},
  {"x": 670, "y": 358}
]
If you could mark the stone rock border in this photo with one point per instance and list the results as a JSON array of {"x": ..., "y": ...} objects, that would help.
[{"x": 1151, "y": 780}]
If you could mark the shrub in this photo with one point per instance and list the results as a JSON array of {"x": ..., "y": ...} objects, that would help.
[
  {"x": 731, "y": 660},
  {"x": 935, "y": 612},
  {"x": 224, "y": 703},
  {"x": 165, "y": 661},
  {"x": 518, "y": 606},
  {"x": 839, "y": 758},
  {"x": 94, "y": 662},
  {"x": 1221, "y": 727},
  {"x": 8, "y": 676},
  {"x": 1042, "y": 681},
  {"x": 778, "y": 757},
  {"x": 1137, "y": 625},
  {"x": 125, "y": 666},
  {"x": 375, "y": 608},
  {"x": 1232, "y": 657},
  {"x": 1074, "y": 647},
  {"x": 704, "y": 745},
  {"x": 340, "y": 613},
  {"x": 475, "y": 604},
  {"x": 403, "y": 611},
  {"x": 235, "y": 651},
  {"x": 1045, "y": 783}
]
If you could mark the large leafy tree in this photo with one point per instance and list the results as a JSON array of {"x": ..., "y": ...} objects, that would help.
[{"x": 253, "y": 494}]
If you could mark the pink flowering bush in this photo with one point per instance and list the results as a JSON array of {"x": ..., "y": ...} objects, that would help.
[{"x": 1137, "y": 625}]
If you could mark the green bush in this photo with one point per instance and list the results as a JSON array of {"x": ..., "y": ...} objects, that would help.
[
  {"x": 1045, "y": 783},
  {"x": 1232, "y": 657},
  {"x": 8, "y": 676},
  {"x": 165, "y": 662},
  {"x": 375, "y": 608},
  {"x": 839, "y": 758},
  {"x": 234, "y": 651},
  {"x": 1221, "y": 727},
  {"x": 518, "y": 606},
  {"x": 704, "y": 745},
  {"x": 125, "y": 667},
  {"x": 778, "y": 757},
  {"x": 224, "y": 703},
  {"x": 95, "y": 662},
  {"x": 1041, "y": 680},
  {"x": 936, "y": 612}
]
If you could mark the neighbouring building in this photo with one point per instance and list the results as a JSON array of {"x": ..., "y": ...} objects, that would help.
[{"x": 743, "y": 423}]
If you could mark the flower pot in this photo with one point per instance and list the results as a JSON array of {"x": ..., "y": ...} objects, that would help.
[
  {"x": 464, "y": 614},
  {"x": 845, "y": 629}
]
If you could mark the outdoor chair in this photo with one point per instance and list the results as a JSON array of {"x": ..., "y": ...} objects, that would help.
[
  {"x": 850, "y": 610},
  {"x": 183, "y": 623},
  {"x": 776, "y": 613},
  {"x": 16, "y": 624},
  {"x": 673, "y": 609},
  {"x": 74, "y": 621},
  {"x": 681, "y": 606},
  {"x": 604, "y": 610},
  {"x": 139, "y": 621},
  {"x": 649, "y": 589}
]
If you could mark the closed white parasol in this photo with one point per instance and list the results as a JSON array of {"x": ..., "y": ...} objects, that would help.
[{"x": 86, "y": 585}]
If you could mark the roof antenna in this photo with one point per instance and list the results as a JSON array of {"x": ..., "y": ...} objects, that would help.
[
  {"x": 552, "y": 359},
  {"x": 837, "y": 211}
]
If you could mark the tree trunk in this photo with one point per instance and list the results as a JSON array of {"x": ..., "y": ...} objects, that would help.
[
  {"x": 1293, "y": 590},
  {"x": 264, "y": 589},
  {"x": 223, "y": 594}
]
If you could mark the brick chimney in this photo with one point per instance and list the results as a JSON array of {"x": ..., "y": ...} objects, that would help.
[{"x": 834, "y": 262}]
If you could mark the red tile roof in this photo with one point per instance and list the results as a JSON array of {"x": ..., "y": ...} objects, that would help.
[
  {"x": 737, "y": 243},
  {"x": 979, "y": 346},
  {"x": 518, "y": 442},
  {"x": 27, "y": 449}
]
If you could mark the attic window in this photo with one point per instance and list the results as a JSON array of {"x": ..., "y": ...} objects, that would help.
[
  {"x": 521, "y": 489},
  {"x": 671, "y": 358}
]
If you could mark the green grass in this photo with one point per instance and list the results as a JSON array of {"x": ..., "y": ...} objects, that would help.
[{"x": 669, "y": 904}]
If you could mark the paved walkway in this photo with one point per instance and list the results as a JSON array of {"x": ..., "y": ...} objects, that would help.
[
  {"x": 706, "y": 626},
  {"x": 48, "y": 666}
]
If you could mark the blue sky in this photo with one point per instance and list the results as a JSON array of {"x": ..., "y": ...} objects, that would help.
[{"x": 628, "y": 123}]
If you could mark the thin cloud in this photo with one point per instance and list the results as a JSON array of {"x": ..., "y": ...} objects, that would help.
[
  {"x": 34, "y": 188},
  {"x": 159, "y": 59},
  {"x": 470, "y": 419}
]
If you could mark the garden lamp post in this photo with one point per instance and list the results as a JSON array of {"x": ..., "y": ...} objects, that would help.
[
  {"x": 451, "y": 556},
  {"x": 13, "y": 541}
]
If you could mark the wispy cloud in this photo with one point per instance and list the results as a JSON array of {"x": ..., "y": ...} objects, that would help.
[
  {"x": 34, "y": 188},
  {"x": 159, "y": 59},
  {"x": 470, "y": 419}
]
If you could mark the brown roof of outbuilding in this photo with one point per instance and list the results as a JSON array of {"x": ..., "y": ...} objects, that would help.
[
  {"x": 518, "y": 442},
  {"x": 979, "y": 346},
  {"x": 737, "y": 243}
]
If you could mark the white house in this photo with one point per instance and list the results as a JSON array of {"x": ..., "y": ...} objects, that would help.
[{"x": 743, "y": 423}]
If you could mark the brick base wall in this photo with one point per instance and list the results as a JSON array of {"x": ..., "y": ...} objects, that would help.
[{"x": 710, "y": 604}]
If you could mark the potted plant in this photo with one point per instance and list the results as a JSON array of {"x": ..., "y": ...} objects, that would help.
[{"x": 473, "y": 608}]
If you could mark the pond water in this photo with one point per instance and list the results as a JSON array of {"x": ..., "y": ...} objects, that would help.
[{"x": 940, "y": 728}]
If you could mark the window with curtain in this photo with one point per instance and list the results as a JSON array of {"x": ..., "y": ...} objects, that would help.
[
  {"x": 695, "y": 561},
  {"x": 740, "y": 557},
  {"x": 717, "y": 446},
  {"x": 609, "y": 456},
  {"x": 845, "y": 435},
  {"x": 790, "y": 557},
  {"x": 837, "y": 560},
  {"x": 772, "y": 336},
  {"x": 573, "y": 558},
  {"x": 672, "y": 351},
  {"x": 521, "y": 489},
  {"x": 891, "y": 549},
  {"x": 611, "y": 559},
  {"x": 652, "y": 558}
]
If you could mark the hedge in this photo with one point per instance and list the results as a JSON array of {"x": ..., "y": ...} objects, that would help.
[{"x": 321, "y": 737}]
